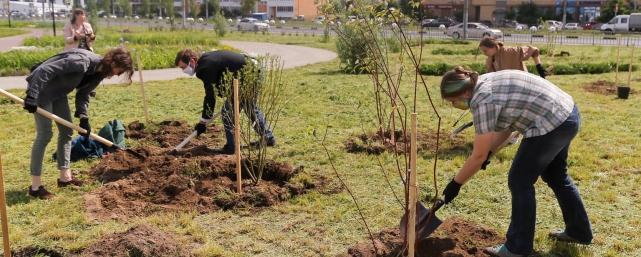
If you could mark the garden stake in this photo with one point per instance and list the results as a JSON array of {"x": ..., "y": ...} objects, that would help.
[
  {"x": 630, "y": 65},
  {"x": 239, "y": 183},
  {"x": 5, "y": 219},
  {"x": 70, "y": 125},
  {"x": 616, "y": 70},
  {"x": 411, "y": 226},
  {"x": 142, "y": 88}
]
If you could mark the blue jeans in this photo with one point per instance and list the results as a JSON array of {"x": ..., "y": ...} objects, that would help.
[
  {"x": 253, "y": 113},
  {"x": 545, "y": 156},
  {"x": 44, "y": 134}
]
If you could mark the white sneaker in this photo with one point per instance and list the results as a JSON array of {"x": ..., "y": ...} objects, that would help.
[{"x": 501, "y": 251}]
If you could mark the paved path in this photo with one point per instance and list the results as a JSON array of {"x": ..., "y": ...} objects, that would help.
[
  {"x": 6, "y": 43},
  {"x": 293, "y": 56}
]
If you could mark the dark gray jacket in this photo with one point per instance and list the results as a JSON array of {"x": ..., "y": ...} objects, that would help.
[{"x": 62, "y": 73}]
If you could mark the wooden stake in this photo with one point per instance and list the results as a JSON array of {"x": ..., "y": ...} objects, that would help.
[
  {"x": 630, "y": 65},
  {"x": 413, "y": 190},
  {"x": 616, "y": 71},
  {"x": 3, "y": 212},
  {"x": 239, "y": 184},
  {"x": 142, "y": 88}
]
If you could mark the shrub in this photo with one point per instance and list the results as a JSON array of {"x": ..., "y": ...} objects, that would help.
[
  {"x": 220, "y": 24},
  {"x": 352, "y": 50}
]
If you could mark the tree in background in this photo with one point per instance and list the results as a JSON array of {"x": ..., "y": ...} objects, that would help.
[
  {"x": 92, "y": 10},
  {"x": 412, "y": 8},
  {"x": 212, "y": 5},
  {"x": 170, "y": 12},
  {"x": 104, "y": 5},
  {"x": 528, "y": 13},
  {"x": 193, "y": 9},
  {"x": 608, "y": 11},
  {"x": 247, "y": 6},
  {"x": 145, "y": 8},
  {"x": 125, "y": 6}
]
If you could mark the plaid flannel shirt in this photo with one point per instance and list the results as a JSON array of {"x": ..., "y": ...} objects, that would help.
[{"x": 518, "y": 101}]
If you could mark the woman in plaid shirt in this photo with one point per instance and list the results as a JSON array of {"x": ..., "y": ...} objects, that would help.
[{"x": 511, "y": 100}]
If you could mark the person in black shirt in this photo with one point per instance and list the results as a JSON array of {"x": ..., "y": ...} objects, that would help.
[{"x": 210, "y": 68}]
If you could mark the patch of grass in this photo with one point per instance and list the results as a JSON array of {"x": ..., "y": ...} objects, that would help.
[
  {"x": 318, "y": 224},
  {"x": 7, "y": 32}
]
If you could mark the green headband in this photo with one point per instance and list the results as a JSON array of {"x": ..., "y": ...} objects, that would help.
[{"x": 453, "y": 87}]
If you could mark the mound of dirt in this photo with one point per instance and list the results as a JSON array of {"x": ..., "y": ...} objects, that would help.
[
  {"x": 140, "y": 241},
  {"x": 195, "y": 178},
  {"x": 376, "y": 143},
  {"x": 171, "y": 133},
  {"x": 35, "y": 251},
  {"x": 454, "y": 238},
  {"x": 603, "y": 87}
]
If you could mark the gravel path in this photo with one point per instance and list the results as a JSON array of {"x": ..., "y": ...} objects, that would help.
[{"x": 293, "y": 56}]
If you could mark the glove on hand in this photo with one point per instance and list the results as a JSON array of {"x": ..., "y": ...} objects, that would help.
[
  {"x": 200, "y": 128},
  {"x": 84, "y": 123},
  {"x": 30, "y": 104},
  {"x": 451, "y": 191},
  {"x": 540, "y": 70}
]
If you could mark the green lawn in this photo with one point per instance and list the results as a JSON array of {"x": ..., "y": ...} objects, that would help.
[
  {"x": 605, "y": 161},
  {"x": 7, "y": 32}
]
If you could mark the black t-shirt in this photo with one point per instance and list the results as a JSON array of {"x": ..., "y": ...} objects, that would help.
[{"x": 210, "y": 69}]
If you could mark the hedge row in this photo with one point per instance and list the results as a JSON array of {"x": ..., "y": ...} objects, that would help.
[{"x": 438, "y": 69}]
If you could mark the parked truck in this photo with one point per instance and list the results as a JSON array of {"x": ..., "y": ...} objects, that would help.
[{"x": 623, "y": 23}]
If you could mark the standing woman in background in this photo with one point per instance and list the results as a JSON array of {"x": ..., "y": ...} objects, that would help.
[
  {"x": 78, "y": 33},
  {"x": 500, "y": 57}
]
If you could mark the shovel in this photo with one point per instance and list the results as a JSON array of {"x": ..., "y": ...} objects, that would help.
[
  {"x": 191, "y": 136},
  {"x": 426, "y": 220},
  {"x": 70, "y": 125}
]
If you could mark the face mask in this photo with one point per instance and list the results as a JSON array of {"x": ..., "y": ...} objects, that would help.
[
  {"x": 189, "y": 70},
  {"x": 462, "y": 104}
]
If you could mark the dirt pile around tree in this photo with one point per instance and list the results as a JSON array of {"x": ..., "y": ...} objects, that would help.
[
  {"x": 377, "y": 143},
  {"x": 140, "y": 241},
  {"x": 603, "y": 87},
  {"x": 195, "y": 178},
  {"x": 454, "y": 238},
  {"x": 36, "y": 251}
]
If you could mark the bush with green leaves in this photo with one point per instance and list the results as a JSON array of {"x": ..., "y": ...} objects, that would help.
[
  {"x": 351, "y": 49},
  {"x": 220, "y": 24},
  {"x": 438, "y": 69}
]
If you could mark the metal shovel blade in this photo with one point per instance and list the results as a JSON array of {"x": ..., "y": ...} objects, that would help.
[{"x": 426, "y": 221}]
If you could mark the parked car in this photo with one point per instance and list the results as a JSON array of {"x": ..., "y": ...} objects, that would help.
[
  {"x": 447, "y": 22},
  {"x": 552, "y": 25},
  {"x": 514, "y": 24},
  {"x": 571, "y": 26},
  {"x": 474, "y": 30},
  {"x": 588, "y": 25},
  {"x": 251, "y": 24},
  {"x": 424, "y": 22},
  {"x": 635, "y": 22}
]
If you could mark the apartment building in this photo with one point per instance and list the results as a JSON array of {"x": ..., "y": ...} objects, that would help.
[{"x": 278, "y": 9}]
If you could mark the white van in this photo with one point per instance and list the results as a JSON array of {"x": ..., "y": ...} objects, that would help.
[{"x": 617, "y": 24}]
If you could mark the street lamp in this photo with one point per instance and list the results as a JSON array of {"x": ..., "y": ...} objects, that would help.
[{"x": 53, "y": 17}]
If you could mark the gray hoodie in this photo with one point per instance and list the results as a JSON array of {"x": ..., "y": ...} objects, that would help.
[{"x": 62, "y": 73}]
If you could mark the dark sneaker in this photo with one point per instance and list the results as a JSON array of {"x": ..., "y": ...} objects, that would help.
[
  {"x": 227, "y": 149},
  {"x": 564, "y": 237},
  {"x": 501, "y": 251},
  {"x": 269, "y": 142},
  {"x": 41, "y": 193},
  {"x": 73, "y": 182}
]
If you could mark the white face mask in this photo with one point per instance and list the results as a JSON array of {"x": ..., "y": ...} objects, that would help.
[{"x": 189, "y": 70}]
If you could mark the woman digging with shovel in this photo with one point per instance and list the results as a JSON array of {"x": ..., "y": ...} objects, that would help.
[
  {"x": 48, "y": 86},
  {"x": 511, "y": 100}
]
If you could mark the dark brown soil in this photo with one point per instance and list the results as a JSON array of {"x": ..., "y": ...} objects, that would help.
[
  {"x": 140, "y": 241},
  {"x": 195, "y": 178},
  {"x": 375, "y": 143},
  {"x": 603, "y": 87},
  {"x": 454, "y": 238},
  {"x": 35, "y": 251}
]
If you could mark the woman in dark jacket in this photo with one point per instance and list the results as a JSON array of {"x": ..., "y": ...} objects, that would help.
[{"x": 48, "y": 86}]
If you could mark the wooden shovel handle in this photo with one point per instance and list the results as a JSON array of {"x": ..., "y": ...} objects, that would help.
[{"x": 59, "y": 120}]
